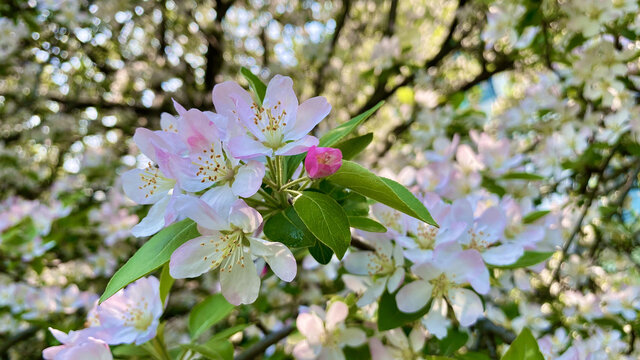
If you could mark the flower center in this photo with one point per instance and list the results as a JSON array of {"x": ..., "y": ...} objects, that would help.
[
  {"x": 271, "y": 122},
  {"x": 440, "y": 286}
]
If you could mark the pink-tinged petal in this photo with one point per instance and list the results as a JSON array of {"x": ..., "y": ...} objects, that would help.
[
  {"x": 436, "y": 320},
  {"x": 154, "y": 221},
  {"x": 311, "y": 326},
  {"x": 298, "y": 146},
  {"x": 378, "y": 351},
  {"x": 243, "y": 147},
  {"x": 197, "y": 256},
  {"x": 198, "y": 131},
  {"x": 51, "y": 352},
  {"x": 179, "y": 108},
  {"x": 418, "y": 256},
  {"x": 280, "y": 94},
  {"x": 225, "y": 97},
  {"x": 397, "y": 338},
  {"x": 322, "y": 161},
  {"x": 244, "y": 217},
  {"x": 239, "y": 278},
  {"x": 466, "y": 304},
  {"x": 395, "y": 280},
  {"x": 353, "y": 337},
  {"x": 505, "y": 254},
  {"x": 414, "y": 296},
  {"x": 248, "y": 179},
  {"x": 220, "y": 198},
  {"x": 59, "y": 335},
  {"x": 182, "y": 170},
  {"x": 304, "y": 351},
  {"x": 202, "y": 213},
  {"x": 146, "y": 186},
  {"x": 426, "y": 270},
  {"x": 144, "y": 141},
  {"x": 360, "y": 262},
  {"x": 468, "y": 266},
  {"x": 221, "y": 122},
  {"x": 492, "y": 222},
  {"x": 91, "y": 348},
  {"x": 168, "y": 122},
  {"x": 277, "y": 255},
  {"x": 331, "y": 353},
  {"x": 417, "y": 338},
  {"x": 373, "y": 292},
  {"x": 309, "y": 114},
  {"x": 336, "y": 313}
]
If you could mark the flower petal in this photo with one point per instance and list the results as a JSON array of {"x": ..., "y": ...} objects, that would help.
[
  {"x": 353, "y": 337},
  {"x": 466, "y": 305},
  {"x": 248, "y": 179},
  {"x": 278, "y": 256},
  {"x": 243, "y": 147},
  {"x": 298, "y": 146},
  {"x": 244, "y": 217},
  {"x": 414, "y": 296},
  {"x": 361, "y": 262},
  {"x": 311, "y": 326},
  {"x": 239, "y": 278},
  {"x": 504, "y": 254},
  {"x": 336, "y": 314},
  {"x": 436, "y": 320},
  {"x": 202, "y": 213},
  {"x": 395, "y": 279},
  {"x": 309, "y": 114},
  {"x": 197, "y": 256},
  {"x": 154, "y": 221},
  {"x": 146, "y": 186}
]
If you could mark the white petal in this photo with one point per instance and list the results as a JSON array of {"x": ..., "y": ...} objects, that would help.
[
  {"x": 397, "y": 338},
  {"x": 311, "y": 326},
  {"x": 330, "y": 353},
  {"x": 417, "y": 338},
  {"x": 244, "y": 217},
  {"x": 310, "y": 113},
  {"x": 145, "y": 186},
  {"x": 202, "y": 213},
  {"x": 304, "y": 351},
  {"x": 436, "y": 320},
  {"x": 220, "y": 198},
  {"x": 278, "y": 256},
  {"x": 154, "y": 221},
  {"x": 466, "y": 304},
  {"x": 360, "y": 262},
  {"x": 197, "y": 256},
  {"x": 336, "y": 314},
  {"x": 373, "y": 292},
  {"x": 353, "y": 337},
  {"x": 414, "y": 296},
  {"x": 239, "y": 278},
  {"x": 395, "y": 280},
  {"x": 504, "y": 254},
  {"x": 298, "y": 146},
  {"x": 248, "y": 179}
]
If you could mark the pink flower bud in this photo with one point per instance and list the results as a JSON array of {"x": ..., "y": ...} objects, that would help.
[{"x": 322, "y": 161}]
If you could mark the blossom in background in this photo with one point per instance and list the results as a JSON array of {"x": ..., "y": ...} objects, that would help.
[
  {"x": 227, "y": 226},
  {"x": 322, "y": 161},
  {"x": 279, "y": 127},
  {"x": 77, "y": 345},
  {"x": 132, "y": 315},
  {"x": 326, "y": 334},
  {"x": 399, "y": 345},
  {"x": 444, "y": 277}
]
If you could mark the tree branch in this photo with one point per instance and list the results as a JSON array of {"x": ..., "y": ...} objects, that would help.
[
  {"x": 319, "y": 82},
  {"x": 254, "y": 351}
]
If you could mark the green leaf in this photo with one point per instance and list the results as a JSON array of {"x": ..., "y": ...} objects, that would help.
[
  {"x": 454, "y": 340},
  {"x": 287, "y": 227},
  {"x": 166, "y": 282},
  {"x": 326, "y": 220},
  {"x": 524, "y": 347},
  {"x": 355, "y": 204},
  {"x": 389, "y": 317},
  {"x": 222, "y": 350},
  {"x": 471, "y": 355},
  {"x": 333, "y": 136},
  {"x": 153, "y": 254},
  {"x": 386, "y": 191},
  {"x": 226, "y": 333},
  {"x": 521, "y": 176},
  {"x": 492, "y": 186},
  {"x": 529, "y": 258},
  {"x": 366, "y": 224},
  {"x": 208, "y": 313},
  {"x": 258, "y": 87},
  {"x": 129, "y": 350},
  {"x": 535, "y": 215},
  {"x": 352, "y": 147},
  {"x": 321, "y": 252}
]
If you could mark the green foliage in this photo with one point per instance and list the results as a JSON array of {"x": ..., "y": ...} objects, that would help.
[
  {"x": 208, "y": 313},
  {"x": 321, "y": 253},
  {"x": 386, "y": 191},
  {"x": 529, "y": 258},
  {"x": 258, "y": 87},
  {"x": 524, "y": 347},
  {"x": 454, "y": 340},
  {"x": 366, "y": 224},
  {"x": 535, "y": 215},
  {"x": 221, "y": 350},
  {"x": 521, "y": 176},
  {"x": 166, "y": 282},
  {"x": 153, "y": 254},
  {"x": 350, "y": 148},
  {"x": 389, "y": 317},
  {"x": 287, "y": 227},
  {"x": 326, "y": 220}
]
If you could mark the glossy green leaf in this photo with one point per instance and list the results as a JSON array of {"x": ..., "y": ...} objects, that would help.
[
  {"x": 366, "y": 224},
  {"x": 153, "y": 254},
  {"x": 326, "y": 220},
  {"x": 524, "y": 347},
  {"x": 321, "y": 253},
  {"x": 386, "y": 191},
  {"x": 533, "y": 216},
  {"x": 287, "y": 227},
  {"x": 258, "y": 87},
  {"x": 228, "y": 332},
  {"x": 389, "y": 317},
  {"x": 354, "y": 146},
  {"x": 521, "y": 176},
  {"x": 529, "y": 258},
  {"x": 222, "y": 350},
  {"x": 166, "y": 282},
  {"x": 208, "y": 313}
]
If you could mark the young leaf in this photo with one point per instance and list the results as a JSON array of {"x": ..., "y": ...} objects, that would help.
[
  {"x": 332, "y": 137},
  {"x": 321, "y": 253},
  {"x": 326, "y": 220},
  {"x": 533, "y": 216},
  {"x": 521, "y": 176},
  {"x": 208, "y": 313},
  {"x": 454, "y": 340},
  {"x": 256, "y": 84},
  {"x": 287, "y": 228},
  {"x": 352, "y": 147},
  {"x": 366, "y": 224},
  {"x": 524, "y": 347},
  {"x": 386, "y": 191},
  {"x": 529, "y": 258},
  {"x": 153, "y": 254},
  {"x": 389, "y": 317},
  {"x": 222, "y": 350},
  {"x": 166, "y": 282}
]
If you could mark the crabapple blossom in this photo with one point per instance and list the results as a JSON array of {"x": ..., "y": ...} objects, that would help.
[
  {"x": 325, "y": 333},
  {"x": 400, "y": 346},
  {"x": 77, "y": 345},
  {"x": 322, "y": 161}
]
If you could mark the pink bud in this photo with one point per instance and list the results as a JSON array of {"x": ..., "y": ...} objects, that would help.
[{"x": 322, "y": 161}]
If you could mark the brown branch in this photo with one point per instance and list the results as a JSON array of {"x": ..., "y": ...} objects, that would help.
[
  {"x": 254, "y": 351},
  {"x": 319, "y": 82}
]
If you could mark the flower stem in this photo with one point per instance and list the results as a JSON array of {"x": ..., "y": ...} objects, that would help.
[{"x": 294, "y": 182}]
